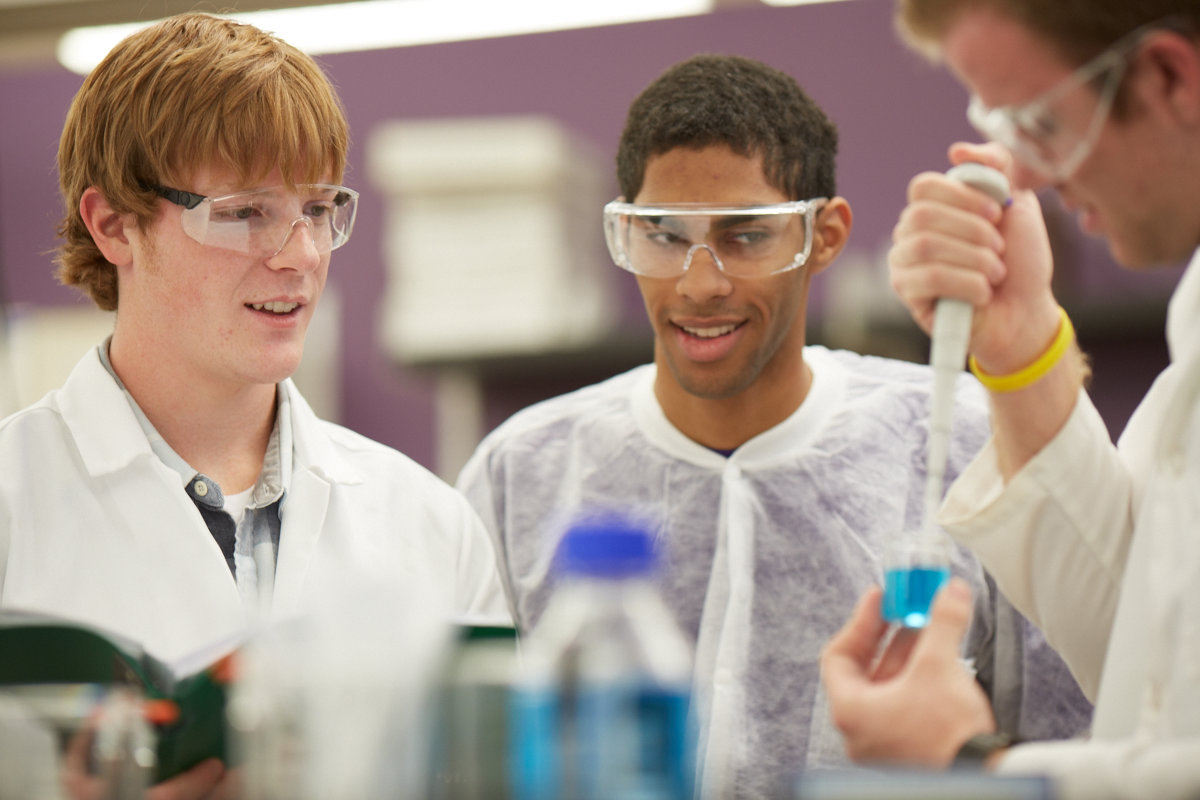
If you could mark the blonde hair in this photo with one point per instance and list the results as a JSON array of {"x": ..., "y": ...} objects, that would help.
[
  {"x": 1078, "y": 29},
  {"x": 192, "y": 90}
]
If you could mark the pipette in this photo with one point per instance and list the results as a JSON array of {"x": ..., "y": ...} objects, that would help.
[{"x": 917, "y": 566}]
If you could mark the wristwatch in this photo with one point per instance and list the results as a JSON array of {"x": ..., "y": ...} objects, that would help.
[{"x": 976, "y": 750}]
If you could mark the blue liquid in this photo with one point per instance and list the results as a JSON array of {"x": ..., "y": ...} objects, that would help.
[
  {"x": 609, "y": 743},
  {"x": 907, "y": 594}
]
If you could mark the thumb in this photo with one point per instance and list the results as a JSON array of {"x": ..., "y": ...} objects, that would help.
[
  {"x": 989, "y": 154},
  {"x": 949, "y": 617}
]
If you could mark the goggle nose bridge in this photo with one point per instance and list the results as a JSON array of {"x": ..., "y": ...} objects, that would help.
[
  {"x": 687, "y": 259},
  {"x": 287, "y": 237}
]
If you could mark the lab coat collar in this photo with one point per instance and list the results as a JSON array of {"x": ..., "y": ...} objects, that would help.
[
  {"x": 277, "y": 462},
  {"x": 312, "y": 447},
  {"x": 106, "y": 430},
  {"x": 109, "y": 436},
  {"x": 159, "y": 445},
  {"x": 1183, "y": 314}
]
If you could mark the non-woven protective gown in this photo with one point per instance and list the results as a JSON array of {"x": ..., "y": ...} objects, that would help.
[{"x": 767, "y": 550}]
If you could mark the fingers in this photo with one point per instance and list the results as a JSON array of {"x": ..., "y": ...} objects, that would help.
[
  {"x": 79, "y": 783},
  {"x": 949, "y": 617},
  {"x": 938, "y": 188},
  {"x": 79, "y": 746},
  {"x": 946, "y": 244},
  {"x": 929, "y": 265},
  {"x": 916, "y": 705},
  {"x": 895, "y": 655},
  {"x": 201, "y": 781},
  {"x": 940, "y": 205},
  {"x": 231, "y": 785},
  {"x": 990, "y": 153}
]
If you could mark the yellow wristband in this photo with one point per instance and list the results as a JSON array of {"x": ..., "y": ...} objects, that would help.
[{"x": 1035, "y": 371}]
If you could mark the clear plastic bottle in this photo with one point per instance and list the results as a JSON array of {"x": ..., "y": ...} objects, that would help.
[{"x": 601, "y": 705}]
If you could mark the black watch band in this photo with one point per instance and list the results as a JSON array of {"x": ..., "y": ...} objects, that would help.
[{"x": 976, "y": 749}]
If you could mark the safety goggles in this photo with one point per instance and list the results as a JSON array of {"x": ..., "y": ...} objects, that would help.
[
  {"x": 1055, "y": 132},
  {"x": 744, "y": 241},
  {"x": 261, "y": 222}
]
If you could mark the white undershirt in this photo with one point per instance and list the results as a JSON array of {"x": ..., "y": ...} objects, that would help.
[{"x": 235, "y": 504}]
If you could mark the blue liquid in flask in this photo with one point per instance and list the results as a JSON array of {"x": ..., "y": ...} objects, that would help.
[{"x": 908, "y": 593}]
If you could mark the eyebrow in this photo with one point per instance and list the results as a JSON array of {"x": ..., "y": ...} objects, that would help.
[
  {"x": 717, "y": 219},
  {"x": 733, "y": 220}
]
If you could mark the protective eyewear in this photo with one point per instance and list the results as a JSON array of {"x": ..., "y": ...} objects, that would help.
[
  {"x": 743, "y": 241},
  {"x": 261, "y": 222},
  {"x": 1055, "y": 132}
]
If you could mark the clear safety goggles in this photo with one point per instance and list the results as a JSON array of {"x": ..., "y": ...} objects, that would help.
[
  {"x": 743, "y": 241},
  {"x": 261, "y": 222},
  {"x": 1055, "y": 132}
]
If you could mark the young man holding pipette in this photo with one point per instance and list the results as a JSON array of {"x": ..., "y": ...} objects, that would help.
[
  {"x": 1098, "y": 544},
  {"x": 775, "y": 472}
]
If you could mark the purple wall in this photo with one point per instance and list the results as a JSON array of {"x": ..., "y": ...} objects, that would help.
[{"x": 896, "y": 115}]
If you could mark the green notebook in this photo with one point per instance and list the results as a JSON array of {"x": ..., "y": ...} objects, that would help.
[{"x": 38, "y": 649}]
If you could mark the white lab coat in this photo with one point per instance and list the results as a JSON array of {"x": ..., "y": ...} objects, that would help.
[
  {"x": 766, "y": 551},
  {"x": 1101, "y": 547},
  {"x": 95, "y": 527}
]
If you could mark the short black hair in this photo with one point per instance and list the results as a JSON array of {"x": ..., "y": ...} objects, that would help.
[{"x": 744, "y": 104}]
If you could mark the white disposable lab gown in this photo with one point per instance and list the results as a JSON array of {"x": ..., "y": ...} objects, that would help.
[
  {"x": 1101, "y": 546},
  {"x": 95, "y": 527},
  {"x": 766, "y": 551}
]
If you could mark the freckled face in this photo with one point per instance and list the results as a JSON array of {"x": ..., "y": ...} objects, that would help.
[{"x": 222, "y": 316}]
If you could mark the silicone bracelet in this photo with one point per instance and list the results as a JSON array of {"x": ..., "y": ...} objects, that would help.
[{"x": 1035, "y": 371}]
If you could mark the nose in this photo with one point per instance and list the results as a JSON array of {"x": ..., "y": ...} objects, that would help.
[
  {"x": 299, "y": 248},
  {"x": 703, "y": 275}
]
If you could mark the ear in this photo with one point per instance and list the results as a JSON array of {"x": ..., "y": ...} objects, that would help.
[
  {"x": 830, "y": 232},
  {"x": 109, "y": 229},
  {"x": 1176, "y": 73}
]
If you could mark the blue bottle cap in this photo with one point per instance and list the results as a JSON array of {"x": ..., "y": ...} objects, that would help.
[{"x": 606, "y": 547}]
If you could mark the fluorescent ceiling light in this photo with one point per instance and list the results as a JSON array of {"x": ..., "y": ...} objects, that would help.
[
  {"x": 796, "y": 2},
  {"x": 377, "y": 24}
]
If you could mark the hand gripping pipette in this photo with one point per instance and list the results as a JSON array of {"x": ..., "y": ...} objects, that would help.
[{"x": 917, "y": 566}]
